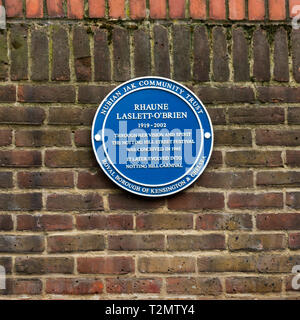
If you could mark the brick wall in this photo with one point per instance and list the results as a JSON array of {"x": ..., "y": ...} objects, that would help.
[{"x": 66, "y": 231}]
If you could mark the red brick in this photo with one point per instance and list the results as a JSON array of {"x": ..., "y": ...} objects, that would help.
[
  {"x": 293, "y": 3},
  {"x": 195, "y": 242},
  {"x": 78, "y": 286},
  {"x": 256, "y": 9},
  {"x": 280, "y": 221},
  {"x": 224, "y": 222},
  {"x": 196, "y": 201},
  {"x": 256, "y": 242},
  {"x": 217, "y": 9},
  {"x": 294, "y": 241},
  {"x": 105, "y": 265},
  {"x": 96, "y": 8},
  {"x": 254, "y": 159},
  {"x": 133, "y": 285},
  {"x": 278, "y": 179},
  {"x": 75, "y": 9},
  {"x": 44, "y": 222},
  {"x": 293, "y": 158},
  {"x": 176, "y": 9},
  {"x": 255, "y": 201},
  {"x": 116, "y": 9},
  {"x": 124, "y": 201},
  {"x": 34, "y": 8},
  {"x": 88, "y": 180},
  {"x": 14, "y": 8},
  {"x": 164, "y": 221},
  {"x": 158, "y": 9},
  {"x": 137, "y": 9},
  {"x": 45, "y": 179},
  {"x": 55, "y": 8},
  {"x": 101, "y": 222},
  {"x": 268, "y": 137},
  {"x": 194, "y": 286},
  {"x": 20, "y": 158},
  {"x": 5, "y": 137},
  {"x": 166, "y": 264},
  {"x": 236, "y": 9},
  {"x": 127, "y": 242},
  {"x": 82, "y": 138},
  {"x": 277, "y": 10},
  {"x": 74, "y": 202},
  {"x": 198, "y": 9},
  {"x": 279, "y": 94},
  {"x": 76, "y": 243},
  {"x": 254, "y": 285}
]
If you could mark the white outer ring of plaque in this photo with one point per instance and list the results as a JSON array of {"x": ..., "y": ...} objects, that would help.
[{"x": 139, "y": 193}]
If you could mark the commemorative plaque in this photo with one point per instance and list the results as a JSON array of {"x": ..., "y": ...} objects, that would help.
[{"x": 152, "y": 136}]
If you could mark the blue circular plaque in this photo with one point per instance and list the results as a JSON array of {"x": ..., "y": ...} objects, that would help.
[{"x": 152, "y": 136}]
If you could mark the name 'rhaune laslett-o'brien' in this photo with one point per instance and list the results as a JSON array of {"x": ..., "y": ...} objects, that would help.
[{"x": 156, "y": 111}]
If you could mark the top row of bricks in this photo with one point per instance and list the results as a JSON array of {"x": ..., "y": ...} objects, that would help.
[{"x": 256, "y": 10}]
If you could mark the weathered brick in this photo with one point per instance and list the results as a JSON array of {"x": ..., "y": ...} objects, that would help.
[
  {"x": 281, "y": 56},
  {"x": 253, "y": 284},
  {"x": 253, "y": 159},
  {"x": 3, "y": 57},
  {"x": 161, "y": 51},
  {"x": 195, "y": 242},
  {"x": 127, "y": 242},
  {"x": 182, "y": 48},
  {"x": 255, "y": 201},
  {"x": 44, "y": 93},
  {"x": 19, "y": 52},
  {"x": 278, "y": 94},
  {"x": 225, "y": 94},
  {"x": 158, "y": 9},
  {"x": 102, "y": 62},
  {"x": 137, "y": 9},
  {"x": 6, "y": 262},
  {"x": 69, "y": 159},
  {"x": 216, "y": 159},
  {"x": 256, "y": 242},
  {"x": 198, "y": 9},
  {"x": 43, "y": 138},
  {"x": 294, "y": 242},
  {"x": 5, "y": 137},
  {"x": 20, "y": 158},
  {"x": 7, "y": 93},
  {"x": 93, "y": 94},
  {"x": 176, "y": 9},
  {"x": 227, "y": 263},
  {"x": 166, "y": 264},
  {"x": 293, "y": 158},
  {"x": 256, "y": 9},
  {"x": 224, "y": 221},
  {"x": 256, "y": 115},
  {"x": 22, "y": 115},
  {"x": 105, "y": 265},
  {"x": 201, "y": 54},
  {"x": 45, "y": 222},
  {"x": 217, "y": 115},
  {"x": 121, "y": 58},
  {"x": 34, "y": 8},
  {"x": 164, "y": 221},
  {"x": 217, "y": 9},
  {"x": 226, "y": 180},
  {"x": 293, "y": 115},
  {"x": 116, "y": 9},
  {"x": 240, "y": 55},
  {"x": 82, "y": 54},
  {"x": 133, "y": 285},
  {"x": 82, "y": 138},
  {"x": 277, "y": 10},
  {"x": 75, "y": 9},
  {"x": 69, "y": 115},
  {"x": 20, "y": 202},
  {"x": 220, "y": 55},
  {"x": 14, "y": 8},
  {"x": 45, "y": 179},
  {"x": 233, "y": 137},
  {"x": 278, "y": 178},
  {"x": 295, "y": 41},
  {"x": 88, "y": 180},
  {"x": 21, "y": 244},
  {"x": 75, "y": 243},
  {"x": 60, "y": 54},
  {"x": 293, "y": 200},
  {"x": 44, "y": 265},
  {"x": 125, "y": 201},
  {"x": 194, "y": 286},
  {"x": 96, "y": 8},
  {"x": 39, "y": 55},
  {"x": 142, "y": 53},
  {"x": 73, "y": 202},
  {"x": 23, "y": 286},
  {"x": 55, "y": 8},
  {"x": 101, "y": 222},
  {"x": 6, "y": 180},
  {"x": 281, "y": 221},
  {"x": 276, "y": 263},
  {"x": 236, "y": 9},
  {"x": 78, "y": 286},
  {"x": 6, "y": 222},
  {"x": 261, "y": 51},
  {"x": 265, "y": 137},
  {"x": 196, "y": 201}
]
